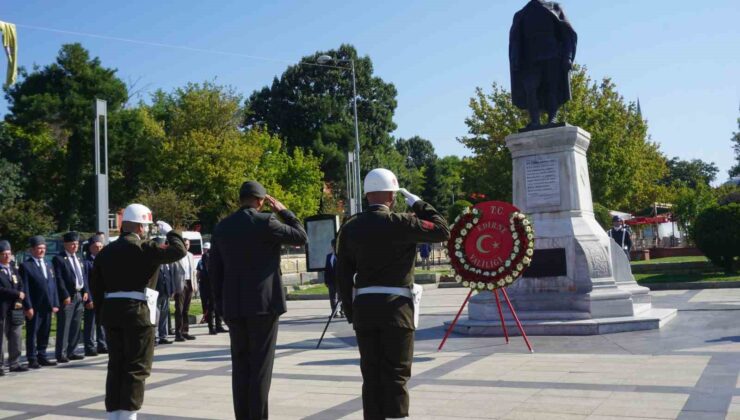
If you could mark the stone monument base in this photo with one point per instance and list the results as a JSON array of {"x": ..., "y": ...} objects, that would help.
[{"x": 557, "y": 323}]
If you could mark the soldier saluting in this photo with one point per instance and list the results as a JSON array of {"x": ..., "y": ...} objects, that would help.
[
  {"x": 123, "y": 280},
  {"x": 376, "y": 252}
]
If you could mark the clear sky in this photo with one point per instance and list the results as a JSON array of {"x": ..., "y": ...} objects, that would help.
[{"x": 680, "y": 57}]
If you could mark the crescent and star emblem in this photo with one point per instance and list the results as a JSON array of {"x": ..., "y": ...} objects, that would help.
[{"x": 479, "y": 244}]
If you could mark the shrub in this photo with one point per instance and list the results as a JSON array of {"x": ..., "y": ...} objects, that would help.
[
  {"x": 602, "y": 216},
  {"x": 717, "y": 234},
  {"x": 456, "y": 209}
]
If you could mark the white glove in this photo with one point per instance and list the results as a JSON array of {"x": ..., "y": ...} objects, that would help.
[
  {"x": 410, "y": 198},
  {"x": 164, "y": 227}
]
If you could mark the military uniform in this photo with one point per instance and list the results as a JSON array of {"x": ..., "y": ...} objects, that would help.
[
  {"x": 129, "y": 265},
  {"x": 380, "y": 247}
]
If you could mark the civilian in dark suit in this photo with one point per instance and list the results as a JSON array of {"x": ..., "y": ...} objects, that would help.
[
  {"x": 41, "y": 289},
  {"x": 212, "y": 317},
  {"x": 13, "y": 304},
  {"x": 248, "y": 291},
  {"x": 73, "y": 294},
  {"x": 330, "y": 275},
  {"x": 93, "y": 334}
]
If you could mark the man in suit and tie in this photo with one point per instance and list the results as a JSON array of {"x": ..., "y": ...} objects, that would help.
[
  {"x": 38, "y": 278},
  {"x": 74, "y": 295},
  {"x": 93, "y": 334},
  {"x": 165, "y": 289},
  {"x": 330, "y": 274},
  {"x": 14, "y": 308},
  {"x": 185, "y": 286},
  {"x": 212, "y": 317},
  {"x": 248, "y": 291}
]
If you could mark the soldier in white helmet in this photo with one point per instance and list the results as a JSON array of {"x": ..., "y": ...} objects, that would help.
[
  {"x": 376, "y": 251},
  {"x": 123, "y": 279}
]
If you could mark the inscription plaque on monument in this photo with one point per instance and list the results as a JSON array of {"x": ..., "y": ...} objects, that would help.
[
  {"x": 547, "y": 263},
  {"x": 542, "y": 182}
]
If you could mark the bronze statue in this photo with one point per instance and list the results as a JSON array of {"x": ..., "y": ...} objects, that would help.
[{"x": 542, "y": 47}]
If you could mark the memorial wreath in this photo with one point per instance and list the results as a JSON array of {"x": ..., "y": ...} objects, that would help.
[{"x": 510, "y": 252}]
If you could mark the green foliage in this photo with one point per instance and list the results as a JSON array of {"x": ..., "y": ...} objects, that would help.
[
  {"x": 689, "y": 203},
  {"x": 310, "y": 106},
  {"x": 735, "y": 170},
  {"x": 624, "y": 165},
  {"x": 602, "y": 216},
  {"x": 178, "y": 210},
  {"x": 11, "y": 182},
  {"x": 52, "y": 111},
  {"x": 293, "y": 178},
  {"x": 22, "y": 219},
  {"x": 444, "y": 182},
  {"x": 135, "y": 141},
  {"x": 457, "y": 209},
  {"x": 690, "y": 173},
  {"x": 202, "y": 153},
  {"x": 717, "y": 234}
]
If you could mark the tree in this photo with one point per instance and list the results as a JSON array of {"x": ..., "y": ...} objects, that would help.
[
  {"x": 205, "y": 156},
  {"x": 602, "y": 216},
  {"x": 456, "y": 209},
  {"x": 22, "y": 219},
  {"x": 690, "y": 173},
  {"x": 310, "y": 106},
  {"x": 735, "y": 170},
  {"x": 135, "y": 141},
  {"x": 178, "y": 210},
  {"x": 421, "y": 161},
  {"x": 11, "y": 182},
  {"x": 292, "y": 177},
  {"x": 624, "y": 165},
  {"x": 718, "y": 236},
  {"x": 52, "y": 110},
  {"x": 689, "y": 203}
]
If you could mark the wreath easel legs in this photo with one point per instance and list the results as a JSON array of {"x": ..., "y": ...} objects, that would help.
[{"x": 501, "y": 315}]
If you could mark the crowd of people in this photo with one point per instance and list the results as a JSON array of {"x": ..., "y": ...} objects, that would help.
[
  {"x": 126, "y": 287},
  {"x": 35, "y": 291}
]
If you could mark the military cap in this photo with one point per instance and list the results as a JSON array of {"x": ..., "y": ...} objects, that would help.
[
  {"x": 71, "y": 237},
  {"x": 35, "y": 241},
  {"x": 252, "y": 189},
  {"x": 4, "y": 246}
]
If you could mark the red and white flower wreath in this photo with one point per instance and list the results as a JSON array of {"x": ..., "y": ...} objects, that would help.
[{"x": 475, "y": 278}]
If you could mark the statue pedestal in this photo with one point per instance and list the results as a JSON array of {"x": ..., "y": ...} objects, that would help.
[{"x": 580, "y": 281}]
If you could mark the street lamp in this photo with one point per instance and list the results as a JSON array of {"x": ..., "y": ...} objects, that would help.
[{"x": 353, "y": 170}]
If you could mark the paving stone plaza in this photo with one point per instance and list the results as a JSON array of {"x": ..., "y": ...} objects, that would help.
[{"x": 687, "y": 370}]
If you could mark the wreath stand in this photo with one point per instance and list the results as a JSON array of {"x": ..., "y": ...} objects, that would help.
[{"x": 501, "y": 315}]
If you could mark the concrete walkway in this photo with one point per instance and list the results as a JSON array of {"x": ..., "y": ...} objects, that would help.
[{"x": 689, "y": 370}]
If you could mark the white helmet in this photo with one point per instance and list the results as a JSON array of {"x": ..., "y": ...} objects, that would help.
[
  {"x": 380, "y": 179},
  {"x": 137, "y": 213},
  {"x": 207, "y": 245}
]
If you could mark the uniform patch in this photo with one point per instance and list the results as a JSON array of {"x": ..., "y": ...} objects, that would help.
[{"x": 427, "y": 225}]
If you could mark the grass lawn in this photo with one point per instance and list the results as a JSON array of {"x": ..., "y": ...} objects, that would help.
[
  {"x": 434, "y": 270},
  {"x": 685, "y": 278},
  {"x": 196, "y": 308},
  {"x": 669, "y": 260},
  {"x": 319, "y": 289}
]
